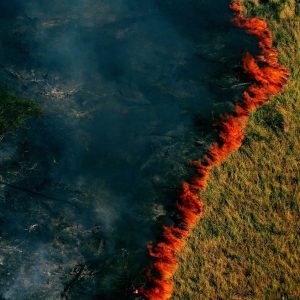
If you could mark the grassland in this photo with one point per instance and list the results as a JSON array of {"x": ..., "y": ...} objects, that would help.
[{"x": 247, "y": 245}]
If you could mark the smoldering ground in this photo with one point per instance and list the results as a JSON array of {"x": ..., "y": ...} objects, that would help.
[{"x": 130, "y": 91}]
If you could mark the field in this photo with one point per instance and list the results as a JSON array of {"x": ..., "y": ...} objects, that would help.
[{"x": 247, "y": 246}]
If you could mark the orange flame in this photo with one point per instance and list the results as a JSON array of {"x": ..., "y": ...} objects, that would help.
[{"x": 269, "y": 77}]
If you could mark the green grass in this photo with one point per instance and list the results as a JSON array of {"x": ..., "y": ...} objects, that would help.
[
  {"x": 247, "y": 245},
  {"x": 14, "y": 111}
]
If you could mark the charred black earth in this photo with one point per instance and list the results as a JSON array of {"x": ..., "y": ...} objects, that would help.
[{"x": 129, "y": 91}]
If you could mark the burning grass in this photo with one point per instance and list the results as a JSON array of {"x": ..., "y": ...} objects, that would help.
[
  {"x": 268, "y": 77},
  {"x": 247, "y": 245}
]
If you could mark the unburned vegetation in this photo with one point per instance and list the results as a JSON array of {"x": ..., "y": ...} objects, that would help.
[{"x": 247, "y": 245}]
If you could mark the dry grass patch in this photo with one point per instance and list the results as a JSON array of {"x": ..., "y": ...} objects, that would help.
[{"x": 247, "y": 246}]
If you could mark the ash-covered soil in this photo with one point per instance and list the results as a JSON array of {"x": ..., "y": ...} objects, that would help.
[{"x": 130, "y": 91}]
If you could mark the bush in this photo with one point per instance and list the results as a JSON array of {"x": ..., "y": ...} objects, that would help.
[{"x": 14, "y": 111}]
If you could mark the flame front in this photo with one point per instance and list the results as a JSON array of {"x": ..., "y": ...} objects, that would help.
[{"x": 269, "y": 78}]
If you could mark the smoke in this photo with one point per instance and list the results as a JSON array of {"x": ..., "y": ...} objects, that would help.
[
  {"x": 130, "y": 92},
  {"x": 41, "y": 270},
  {"x": 269, "y": 78}
]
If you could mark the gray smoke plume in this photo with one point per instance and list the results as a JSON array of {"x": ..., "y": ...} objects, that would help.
[{"x": 130, "y": 91}]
